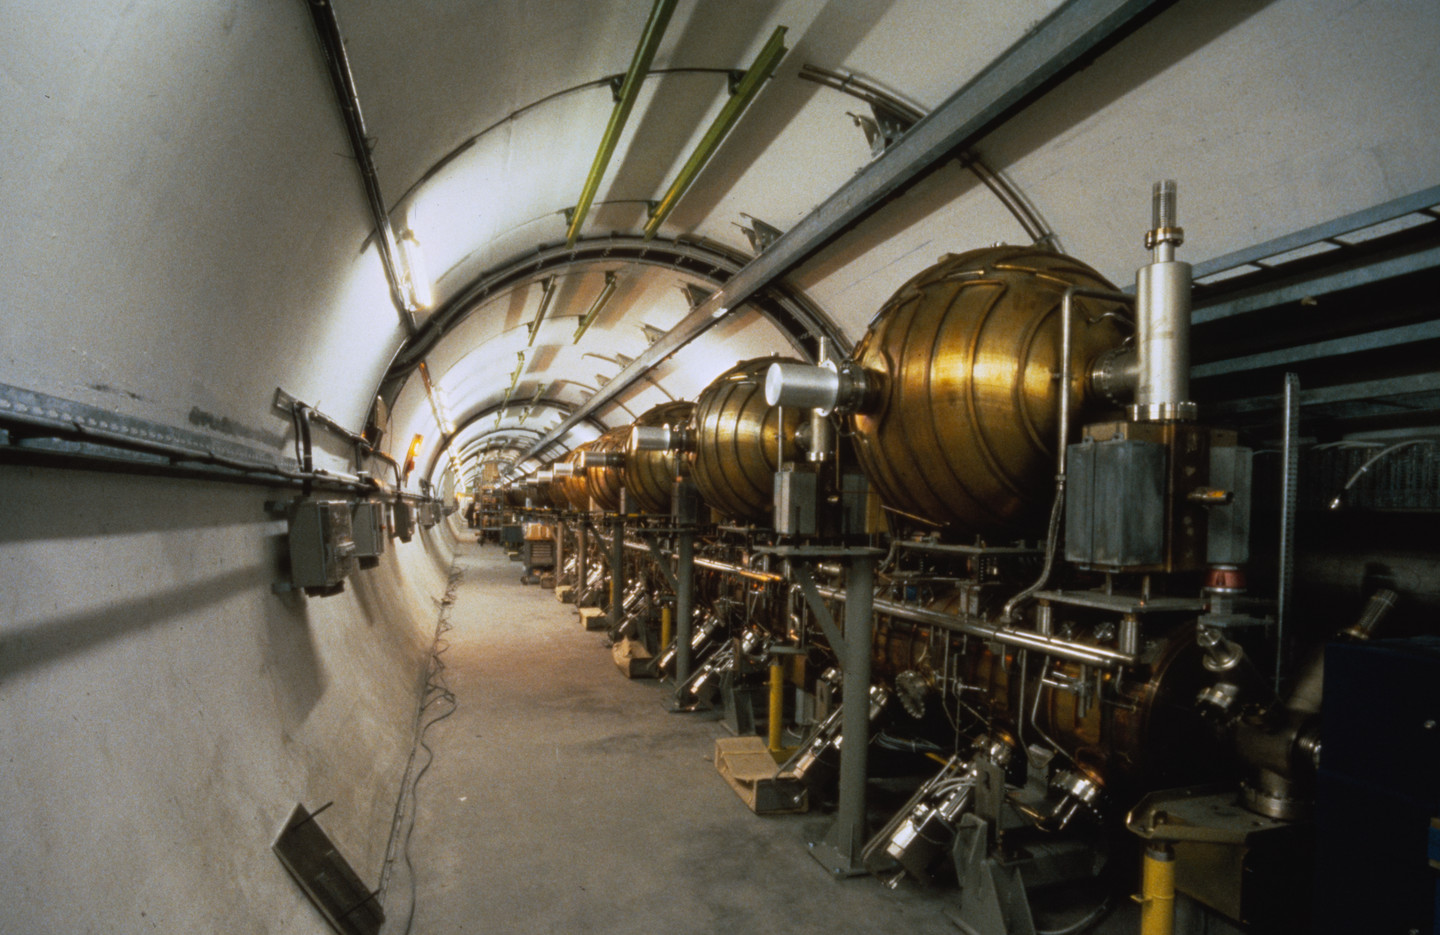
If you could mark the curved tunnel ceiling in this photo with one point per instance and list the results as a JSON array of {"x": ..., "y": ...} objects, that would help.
[
  {"x": 487, "y": 209},
  {"x": 239, "y": 252},
  {"x": 477, "y": 233}
]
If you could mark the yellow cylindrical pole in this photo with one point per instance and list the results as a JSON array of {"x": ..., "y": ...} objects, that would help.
[
  {"x": 777, "y": 703},
  {"x": 1157, "y": 891},
  {"x": 667, "y": 624}
]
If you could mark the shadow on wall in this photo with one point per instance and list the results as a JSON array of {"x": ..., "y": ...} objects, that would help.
[
  {"x": 137, "y": 505},
  {"x": 1180, "y": 31},
  {"x": 48, "y": 641},
  {"x": 832, "y": 35}
]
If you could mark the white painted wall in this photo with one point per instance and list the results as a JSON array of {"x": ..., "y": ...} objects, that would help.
[
  {"x": 164, "y": 712},
  {"x": 185, "y": 231}
]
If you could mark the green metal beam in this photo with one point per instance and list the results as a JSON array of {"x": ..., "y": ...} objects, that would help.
[
  {"x": 750, "y": 84},
  {"x": 629, "y": 91}
]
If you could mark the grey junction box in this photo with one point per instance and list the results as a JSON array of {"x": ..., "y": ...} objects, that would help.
[
  {"x": 1115, "y": 506},
  {"x": 322, "y": 547}
]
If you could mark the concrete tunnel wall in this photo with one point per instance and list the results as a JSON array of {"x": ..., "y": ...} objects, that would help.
[
  {"x": 185, "y": 232},
  {"x": 164, "y": 711}
]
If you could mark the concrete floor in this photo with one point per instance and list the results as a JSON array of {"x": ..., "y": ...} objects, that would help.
[{"x": 564, "y": 799}]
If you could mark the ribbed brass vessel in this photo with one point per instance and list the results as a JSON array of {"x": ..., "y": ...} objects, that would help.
[
  {"x": 650, "y": 475},
  {"x": 960, "y": 428},
  {"x": 605, "y": 482},
  {"x": 575, "y": 490},
  {"x": 737, "y": 439}
]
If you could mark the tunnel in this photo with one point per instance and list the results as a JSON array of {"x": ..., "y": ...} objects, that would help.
[{"x": 445, "y": 447}]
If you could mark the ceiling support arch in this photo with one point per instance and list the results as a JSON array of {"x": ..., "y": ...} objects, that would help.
[
  {"x": 1060, "y": 44},
  {"x": 449, "y": 438},
  {"x": 802, "y": 324}
]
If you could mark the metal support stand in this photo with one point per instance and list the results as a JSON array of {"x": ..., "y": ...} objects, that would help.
[
  {"x": 1289, "y": 480},
  {"x": 840, "y": 851},
  {"x": 559, "y": 551},
  {"x": 617, "y": 571},
  {"x": 684, "y": 605},
  {"x": 582, "y": 569}
]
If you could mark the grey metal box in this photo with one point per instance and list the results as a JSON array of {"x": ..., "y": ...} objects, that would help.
[
  {"x": 1115, "y": 503},
  {"x": 854, "y": 498},
  {"x": 403, "y": 514},
  {"x": 795, "y": 493},
  {"x": 1228, "y": 532},
  {"x": 322, "y": 548},
  {"x": 367, "y": 527}
]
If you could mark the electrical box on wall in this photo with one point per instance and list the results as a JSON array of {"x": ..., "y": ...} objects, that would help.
[
  {"x": 403, "y": 520},
  {"x": 322, "y": 546},
  {"x": 367, "y": 522}
]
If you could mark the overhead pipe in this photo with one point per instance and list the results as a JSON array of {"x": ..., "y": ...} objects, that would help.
[
  {"x": 606, "y": 292},
  {"x": 629, "y": 91},
  {"x": 750, "y": 84},
  {"x": 549, "y": 293},
  {"x": 1036, "y": 62},
  {"x": 397, "y": 272}
]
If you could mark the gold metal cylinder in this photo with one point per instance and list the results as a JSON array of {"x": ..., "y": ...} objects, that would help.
[
  {"x": 667, "y": 624},
  {"x": 605, "y": 483},
  {"x": 576, "y": 491},
  {"x": 650, "y": 475},
  {"x": 777, "y": 704},
  {"x": 960, "y": 422},
  {"x": 738, "y": 441},
  {"x": 1157, "y": 892}
]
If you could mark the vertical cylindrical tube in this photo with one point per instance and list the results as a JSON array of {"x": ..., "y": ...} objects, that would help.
[
  {"x": 617, "y": 572},
  {"x": 1157, "y": 891},
  {"x": 582, "y": 571},
  {"x": 684, "y": 604},
  {"x": 777, "y": 703},
  {"x": 1129, "y": 638},
  {"x": 1289, "y": 505},
  {"x": 822, "y": 437},
  {"x": 1162, "y": 205},
  {"x": 849, "y": 836},
  {"x": 667, "y": 624},
  {"x": 1162, "y": 303},
  {"x": 559, "y": 552}
]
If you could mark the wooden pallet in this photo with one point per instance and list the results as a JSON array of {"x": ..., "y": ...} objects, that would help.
[{"x": 748, "y": 766}]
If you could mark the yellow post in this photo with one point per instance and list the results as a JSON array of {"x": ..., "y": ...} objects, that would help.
[
  {"x": 667, "y": 624},
  {"x": 1157, "y": 891},
  {"x": 777, "y": 703}
]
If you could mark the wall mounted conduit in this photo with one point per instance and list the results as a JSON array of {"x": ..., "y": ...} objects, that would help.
[
  {"x": 754, "y": 79},
  {"x": 397, "y": 271}
]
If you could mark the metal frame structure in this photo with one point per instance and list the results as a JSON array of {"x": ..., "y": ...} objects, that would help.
[{"x": 1036, "y": 62}]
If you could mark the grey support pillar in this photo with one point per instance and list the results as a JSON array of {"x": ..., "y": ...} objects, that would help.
[
  {"x": 617, "y": 571},
  {"x": 559, "y": 551},
  {"x": 840, "y": 851},
  {"x": 684, "y": 513},
  {"x": 581, "y": 564},
  {"x": 684, "y": 605}
]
